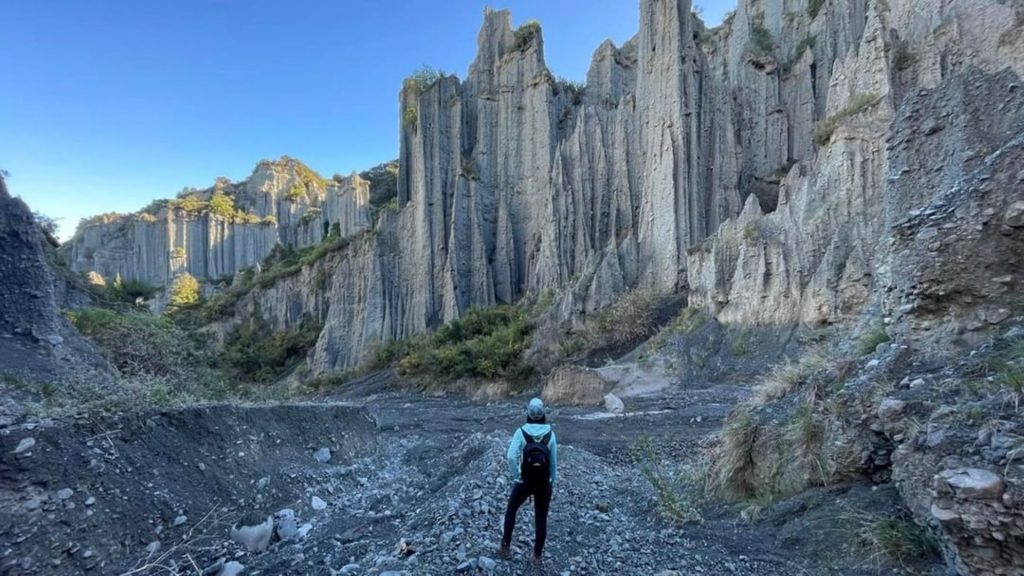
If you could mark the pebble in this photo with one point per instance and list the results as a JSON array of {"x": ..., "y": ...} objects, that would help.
[
  {"x": 323, "y": 455},
  {"x": 178, "y": 521},
  {"x": 318, "y": 503},
  {"x": 90, "y": 500},
  {"x": 65, "y": 493},
  {"x": 25, "y": 445}
]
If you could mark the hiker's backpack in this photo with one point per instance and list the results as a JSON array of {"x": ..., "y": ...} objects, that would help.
[{"x": 536, "y": 466}]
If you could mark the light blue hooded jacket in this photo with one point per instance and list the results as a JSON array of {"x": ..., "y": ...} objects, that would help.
[{"x": 518, "y": 443}]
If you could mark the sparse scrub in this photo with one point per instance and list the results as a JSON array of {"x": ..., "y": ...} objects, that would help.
[
  {"x": 140, "y": 344},
  {"x": 788, "y": 376},
  {"x": 897, "y": 538},
  {"x": 423, "y": 79},
  {"x": 688, "y": 321},
  {"x": 190, "y": 204},
  {"x": 858, "y": 104},
  {"x": 630, "y": 319},
  {"x": 383, "y": 180},
  {"x": 525, "y": 35},
  {"x": 669, "y": 489},
  {"x": 762, "y": 40},
  {"x": 871, "y": 339},
  {"x": 178, "y": 252},
  {"x": 258, "y": 354}
]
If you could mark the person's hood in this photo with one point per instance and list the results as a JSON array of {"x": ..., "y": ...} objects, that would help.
[{"x": 535, "y": 430}]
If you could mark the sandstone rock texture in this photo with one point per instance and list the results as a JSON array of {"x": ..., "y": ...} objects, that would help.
[
  {"x": 282, "y": 202},
  {"x": 750, "y": 165}
]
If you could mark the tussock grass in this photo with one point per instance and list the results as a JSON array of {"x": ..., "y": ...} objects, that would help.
[
  {"x": 732, "y": 475},
  {"x": 897, "y": 538},
  {"x": 871, "y": 339}
]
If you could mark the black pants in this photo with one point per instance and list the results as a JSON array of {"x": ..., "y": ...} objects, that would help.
[{"x": 541, "y": 501}]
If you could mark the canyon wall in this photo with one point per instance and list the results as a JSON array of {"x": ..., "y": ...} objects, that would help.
[
  {"x": 746, "y": 164},
  {"x": 282, "y": 202}
]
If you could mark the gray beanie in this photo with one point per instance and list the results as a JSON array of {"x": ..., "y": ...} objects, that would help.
[{"x": 535, "y": 411}]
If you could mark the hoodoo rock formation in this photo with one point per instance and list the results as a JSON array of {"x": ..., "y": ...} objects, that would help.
[{"x": 746, "y": 164}]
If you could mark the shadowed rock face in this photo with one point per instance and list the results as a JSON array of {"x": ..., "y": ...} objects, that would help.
[{"x": 36, "y": 343}]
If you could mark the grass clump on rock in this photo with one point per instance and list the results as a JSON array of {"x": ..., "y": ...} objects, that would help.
[{"x": 858, "y": 104}]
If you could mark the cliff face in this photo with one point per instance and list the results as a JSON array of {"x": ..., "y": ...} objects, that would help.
[
  {"x": 281, "y": 202},
  {"x": 38, "y": 347},
  {"x": 747, "y": 164}
]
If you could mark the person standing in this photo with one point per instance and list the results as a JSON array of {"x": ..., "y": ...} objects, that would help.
[{"x": 533, "y": 465}]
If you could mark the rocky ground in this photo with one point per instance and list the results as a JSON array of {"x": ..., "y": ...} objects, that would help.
[{"x": 395, "y": 484}]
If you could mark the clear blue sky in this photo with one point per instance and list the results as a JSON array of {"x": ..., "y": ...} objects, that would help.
[{"x": 108, "y": 104}]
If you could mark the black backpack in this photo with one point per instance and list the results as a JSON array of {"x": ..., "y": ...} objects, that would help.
[{"x": 536, "y": 467}]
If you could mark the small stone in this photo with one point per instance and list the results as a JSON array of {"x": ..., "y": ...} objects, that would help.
[
  {"x": 917, "y": 383},
  {"x": 350, "y": 569},
  {"x": 232, "y": 569},
  {"x": 65, "y": 493},
  {"x": 33, "y": 504},
  {"x": 873, "y": 362},
  {"x": 153, "y": 547},
  {"x": 90, "y": 500},
  {"x": 318, "y": 503},
  {"x": 1014, "y": 215},
  {"x": 613, "y": 404},
  {"x": 467, "y": 566},
  {"x": 25, "y": 445},
  {"x": 262, "y": 482},
  {"x": 486, "y": 564},
  {"x": 323, "y": 455},
  {"x": 890, "y": 408},
  {"x": 998, "y": 315},
  {"x": 178, "y": 521}
]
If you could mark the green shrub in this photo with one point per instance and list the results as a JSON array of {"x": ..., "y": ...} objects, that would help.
[
  {"x": 256, "y": 353},
  {"x": 859, "y": 103},
  {"x": 184, "y": 291},
  {"x": 762, "y": 40},
  {"x": 133, "y": 289},
  {"x": 178, "y": 252},
  {"x": 484, "y": 343},
  {"x": 296, "y": 192},
  {"x": 814, "y": 7},
  {"x": 526, "y": 34},
  {"x": 269, "y": 220},
  {"x": 383, "y": 180},
  {"x": 903, "y": 58},
  {"x": 191, "y": 204},
  {"x": 222, "y": 205}
]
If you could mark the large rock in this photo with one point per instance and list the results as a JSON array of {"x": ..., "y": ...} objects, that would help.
[{"x": 575, "y": 385}]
